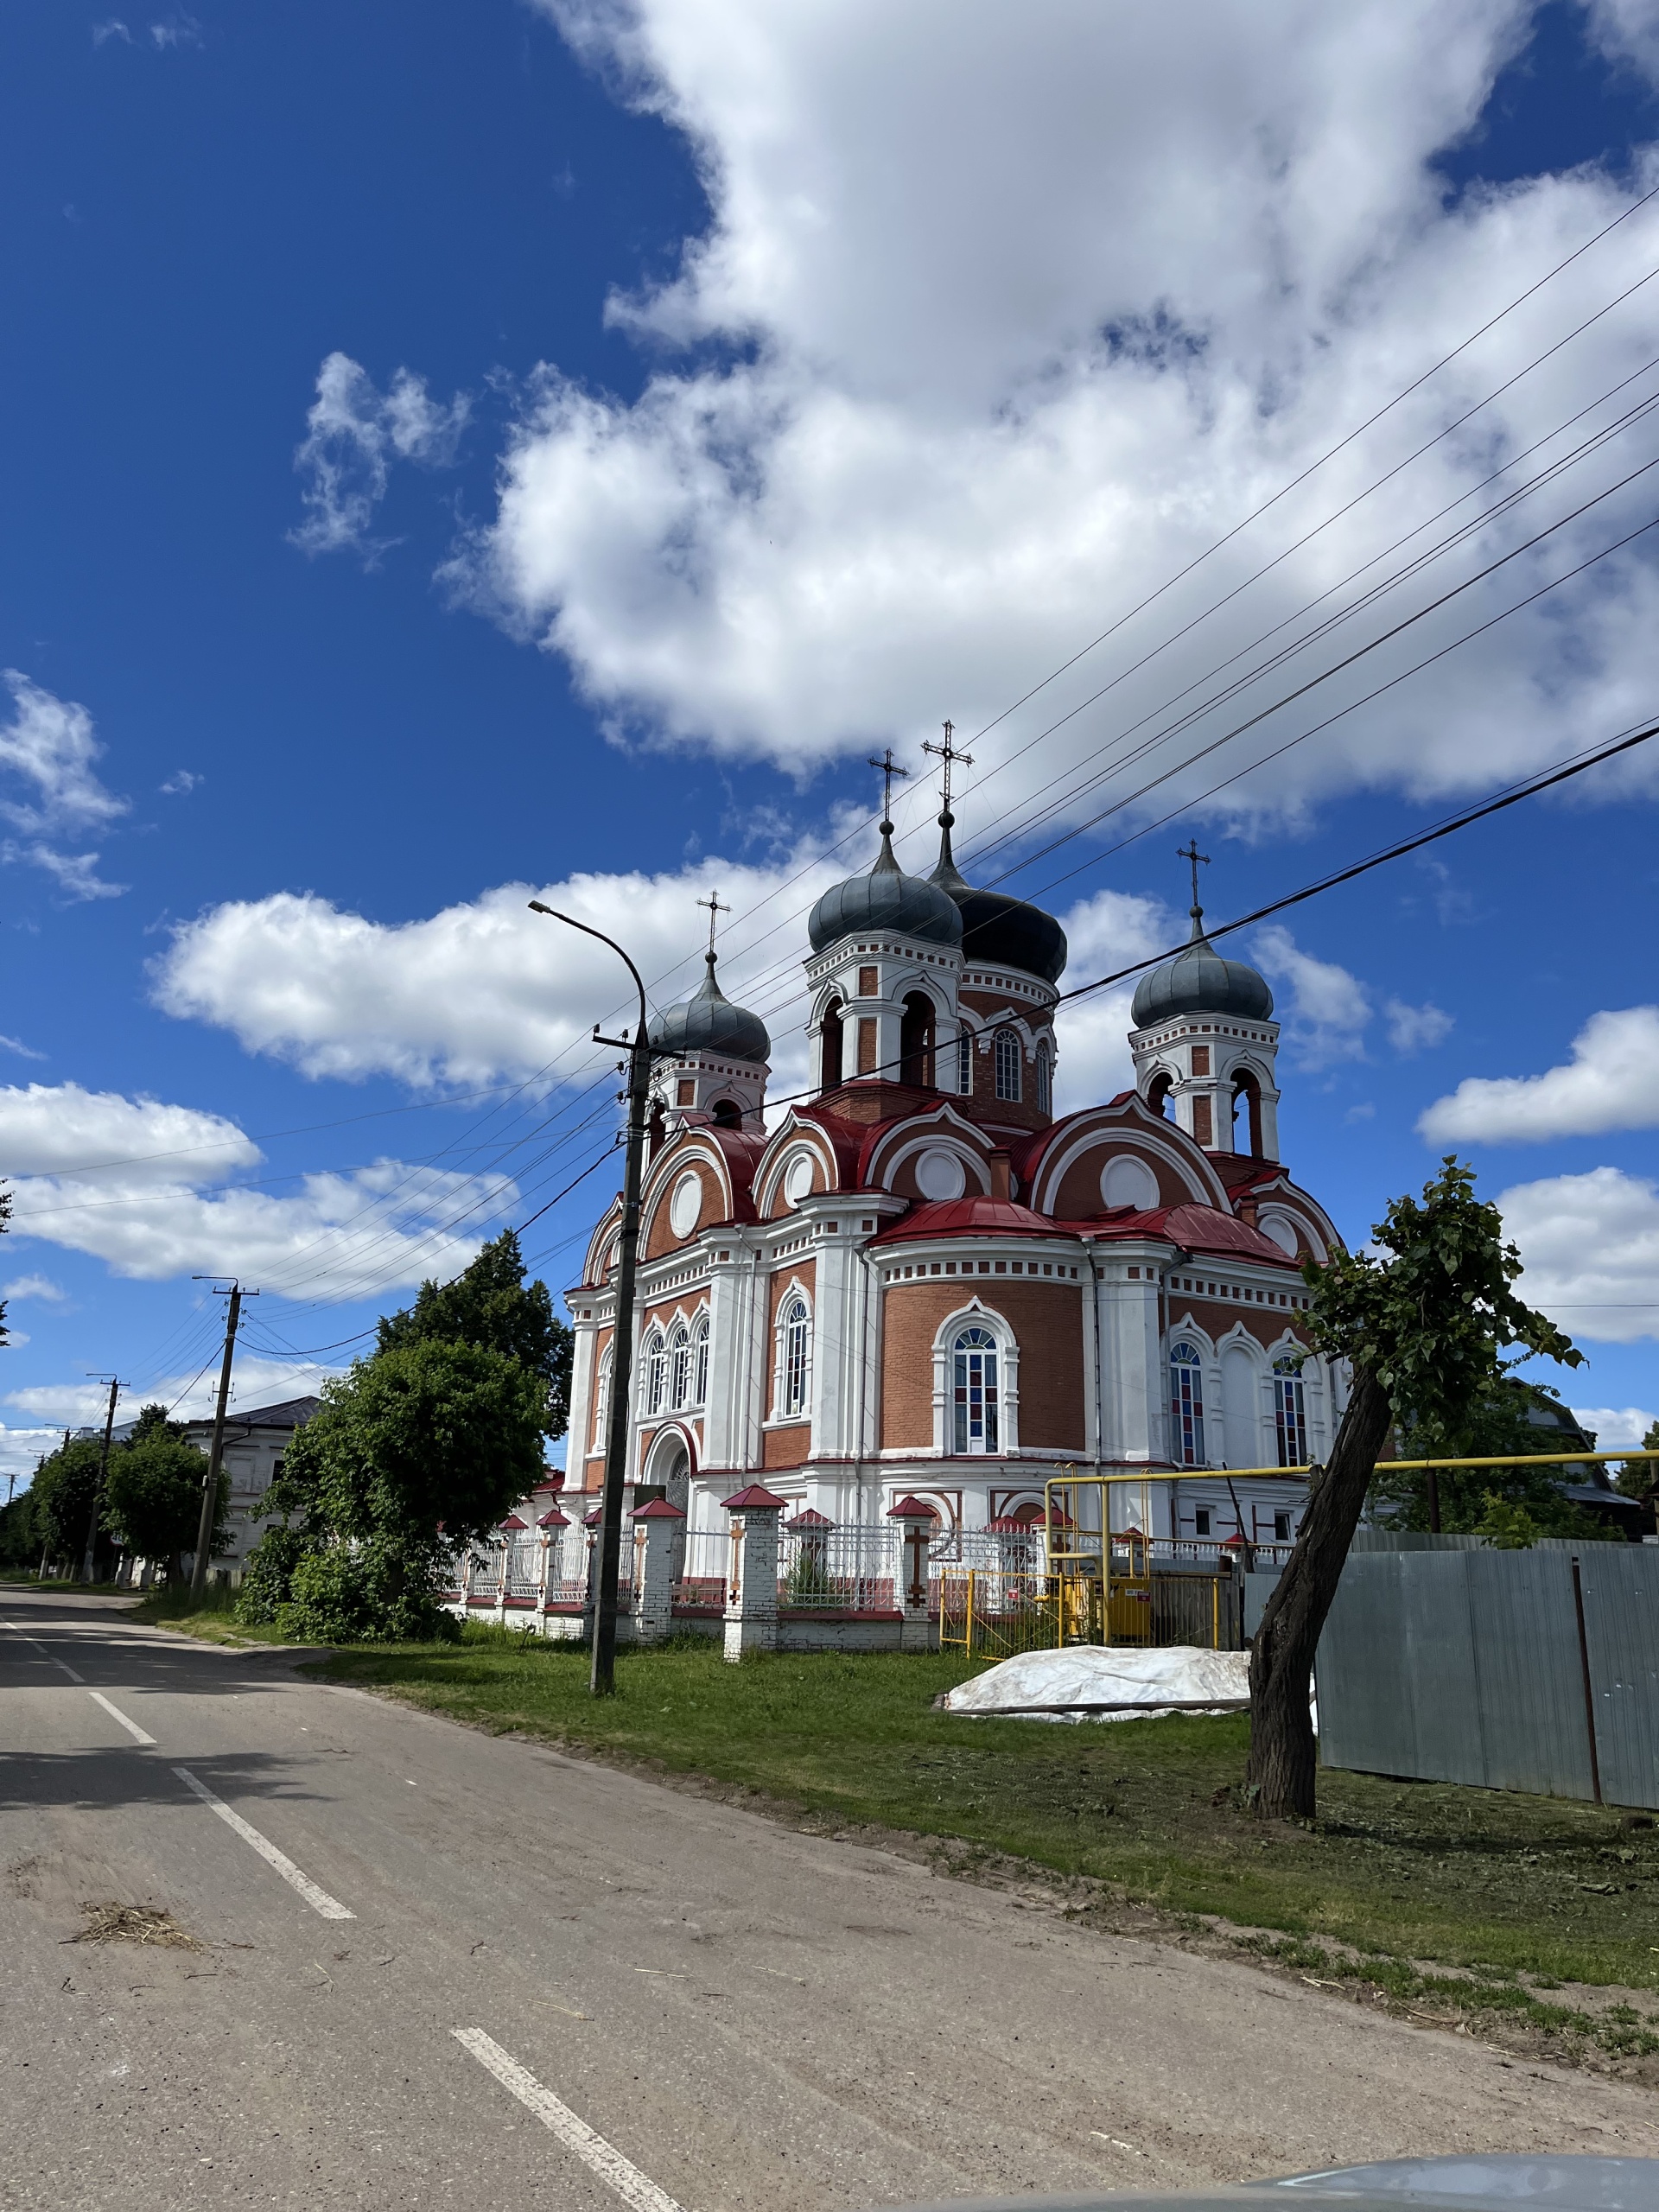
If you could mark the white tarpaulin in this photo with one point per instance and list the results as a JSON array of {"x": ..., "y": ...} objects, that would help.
[{"x": 1118, "y": 1682}]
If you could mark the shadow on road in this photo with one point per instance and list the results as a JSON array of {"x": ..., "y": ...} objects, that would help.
[{"x": 114, "y": 1777}]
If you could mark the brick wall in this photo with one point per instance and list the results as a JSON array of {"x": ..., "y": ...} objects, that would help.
[
  {"x": 659, "y": 1235},
  {"x": 785, "y": 1447},
  {"x": 1078, "y": 1196},
  {"x": 1046, "y": 1319}
]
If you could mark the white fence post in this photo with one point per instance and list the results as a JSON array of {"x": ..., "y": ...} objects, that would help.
[
  {"x": 653, "y": 1615},
  {"x": 752, "y": 1589}
]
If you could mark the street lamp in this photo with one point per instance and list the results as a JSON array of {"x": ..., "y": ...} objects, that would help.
[{"x": 603, "y": 1678}]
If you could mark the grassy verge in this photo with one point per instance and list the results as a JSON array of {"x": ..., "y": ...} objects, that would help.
[
  {"x": 1514, "y": 1894},
  {"x": 212, "y": 1616}
]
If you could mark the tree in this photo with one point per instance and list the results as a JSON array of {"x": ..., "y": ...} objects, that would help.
[
  {"x": 425, "y": 1445},
  {"x": 62, "y": 1490},
  {"x": 491, "y": 1306},
  {"x": 1640, "y": 1477},
  {"x": 153, "y": 1503},
  {"x": 1497, "y": 1420},
  {"x": 1422, "y": 1331}
]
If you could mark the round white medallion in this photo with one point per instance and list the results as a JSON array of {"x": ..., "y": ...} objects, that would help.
[
  {"x": 685, "y": 1204},
  {"x": 1283, "y": 1230},
  {"x": 1129, "y": 1182},
  {"x": 939, "y": 1175},
  {"x": 798, "y": 1183}
]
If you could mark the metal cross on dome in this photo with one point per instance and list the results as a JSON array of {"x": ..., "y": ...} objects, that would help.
[
  {"x": 715, "y": 910},
  {"x": 949, "y": 755},
  {"x": 889, "y": 768},
  {"x": 1192, "y": 853}
]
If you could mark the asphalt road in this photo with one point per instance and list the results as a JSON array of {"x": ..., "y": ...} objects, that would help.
[{"x": 560, "y": 1985}]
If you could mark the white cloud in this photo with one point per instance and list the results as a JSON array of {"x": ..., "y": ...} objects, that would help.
[
  {"x": 42, "y": 1287},
  {"x": 113, "y": 27},
  {"x": 144, "y": 1187},
  {"x": 255, "y": 1382},
  {"x": 1329, "y": 1008},
  {"x": 487, "y": 989},
  {"x": 1415, "y": 1028},
  {"x": 1104, "y": 933},
  {"x": 23, "y": 1051},
  {"x": 960, "y": 413},
  {"x": 1613, "y": 1426},
  {"x": 181, "y": 781},
  {"x": 1610, "y": 1083},
  {"x": 353, "y": 433},
  {"x": 49, "y": 748},
  {"x": 23, "y": 1449},
  {"x": 1591, "y": 1248},
  {"x": 177, "y": 30}
]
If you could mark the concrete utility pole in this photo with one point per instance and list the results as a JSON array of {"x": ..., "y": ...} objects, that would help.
[
  {"x": 602, "y": 1679},
  {"x": 87, "y": 1568},
  {"x": 215, "y": 1457}
]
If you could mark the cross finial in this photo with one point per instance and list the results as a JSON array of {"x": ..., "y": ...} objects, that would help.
[
  {"x": 1192, "y": 853},
  {"x": 716, "y": 909},
  {"x": 949, "y": 755},
  {"x": 889, "y": 768}
]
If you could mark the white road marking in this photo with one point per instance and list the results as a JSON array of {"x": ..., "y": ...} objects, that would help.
[
  {"x": 631, "y": 2185},
  {"x": 318, "y": 1899},
  {"x": 115, "y": 1713},
  {"x": 45, "y": 1653}
]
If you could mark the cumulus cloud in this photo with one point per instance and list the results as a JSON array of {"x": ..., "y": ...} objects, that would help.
[
  {"x": 936, "y": 422},
  {"x": 1415, "y": 1028},
  {"x": 1610, "y": 1083},
  {"x": 23, "y": 1449},
  {"x": 144, "y": 1187},
  {"x": 1328, "y": 1009},
  {"x": 1104, "y": 933},
  {"x": 353, "y": 434},
  {"x": 255, "y": 1382},
  {"x": 176, "y": 30},
  {"x": 42, "y": 1287},
  {"x": 1615, "y": 1425},
  {"x": 1591, "y": 1248},
  {"x": 113, "y": 27},
  {"x": 181, "y": 781},
  {"x": 48, "y": 752}
]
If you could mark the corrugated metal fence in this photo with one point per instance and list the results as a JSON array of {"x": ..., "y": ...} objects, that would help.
[{"x": 1534, "y": 1670}]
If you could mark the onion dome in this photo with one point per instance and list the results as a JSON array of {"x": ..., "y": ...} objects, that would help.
[
  {"x": 1198, "y": 980},
  {"x": 996, "y": 929},
  {"x": 709, "y": 1022},
  {"x": 886, "y": 899}
]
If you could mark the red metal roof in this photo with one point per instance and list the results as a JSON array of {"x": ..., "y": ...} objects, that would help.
[
  {"x": 512, "y": 1522},
  {"x": 555, "y": 1520},
  {"x": 812, "y": 1519},
  {"x": 752, "y": 1500},
  {"x": 1195, "y": 1229},
  {"x": 658, "y": 1509},
  {"x": 912, "y": 1509},
  {"x": 972, "y": 1217}
]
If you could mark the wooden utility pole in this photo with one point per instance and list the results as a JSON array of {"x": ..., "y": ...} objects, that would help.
[
  {"x": 87, "y": 1568},
  {"x": 215, "y": 1457}
]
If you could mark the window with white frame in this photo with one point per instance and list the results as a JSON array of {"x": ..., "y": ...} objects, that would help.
[
  {"x": 794, "y": 1354},
  {"x": 653, "y": 1376},
  {"x": 679, "y": 1366},
  {"x": 603, "y": 1400},
  {"x": 1290, "y": 1412},
  {"x": 699, "y": 1361},
  {"x": 1044, "y": 1086},
  {"x": 965, "y": 1063},
  {"x": 1186, "y": 1406},
  {"x": 976, "y": 1391},
  {"x": 1008, "y": 1065}
]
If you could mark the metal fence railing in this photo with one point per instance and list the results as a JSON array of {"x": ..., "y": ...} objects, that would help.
[{"x": 849, "y": 1570}]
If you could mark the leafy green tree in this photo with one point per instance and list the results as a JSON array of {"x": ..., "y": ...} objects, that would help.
[
  {"x": 153, "y": 1501},
  {"x": 1423, "y": 1331},
  {"x": 1639, "y": 1478},
  {"x": 62, "y": 1490},
  {"x": 491, "y": 1306},
  {"x": 424, "y": 1444},
  {"x": 20, "y": 1538},
  {"x": 1496, "y": 1422}
]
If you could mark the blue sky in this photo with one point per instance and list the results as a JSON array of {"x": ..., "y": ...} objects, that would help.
[{"x": 449, "y": 454}]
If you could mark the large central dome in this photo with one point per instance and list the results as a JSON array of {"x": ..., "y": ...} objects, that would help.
[
  {"x": 886, "y": 899},
  {"x": 997, "y": 930}
]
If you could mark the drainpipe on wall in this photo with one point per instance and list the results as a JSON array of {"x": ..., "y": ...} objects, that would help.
[{"x": 1099, "y": 1405}]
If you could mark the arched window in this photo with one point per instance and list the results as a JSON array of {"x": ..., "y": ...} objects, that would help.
[
  {"x": 1247, "y": 1095},
  {"x": 602, "y": 1400},
  {"x": 1185, "y": 1408},
  {"x": 830, "y": 1047},
  {"x": 699, "y": 1361},
  {"x": 794, "y": 1354},
  {"x": 1008, "y": 1065},
  {"x": 654, "y": 1372},
  {"x": 916, "y": 1041},
  {"x": 1044, "y": 1084},
  {"x": 965, "y": 1063},
  {"x": 975, "y": 1392},
  {"x": 679, "y": 1366},
  {"x": 1158, "y": 1092},
  {"x": 1290, "y": 1412}
]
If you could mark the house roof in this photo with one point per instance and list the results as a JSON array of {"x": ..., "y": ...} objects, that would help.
[{"x": 287, "y": 1412}]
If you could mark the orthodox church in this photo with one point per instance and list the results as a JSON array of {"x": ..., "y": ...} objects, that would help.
[{"x": 920, "y": 1282}]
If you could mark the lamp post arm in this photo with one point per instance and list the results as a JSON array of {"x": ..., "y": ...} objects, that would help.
[{"x": 570, "y": 922}]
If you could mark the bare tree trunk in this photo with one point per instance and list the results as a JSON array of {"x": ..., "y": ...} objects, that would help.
[{"x": 1281, "y": 1764}]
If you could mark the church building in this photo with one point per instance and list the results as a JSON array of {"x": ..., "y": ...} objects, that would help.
[{"x": 920, "y": 1281}]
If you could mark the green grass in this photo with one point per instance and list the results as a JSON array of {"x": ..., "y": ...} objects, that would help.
[
  {"x": 211, "y": 1616},
  {"x": 1405, "y": 1874}
]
